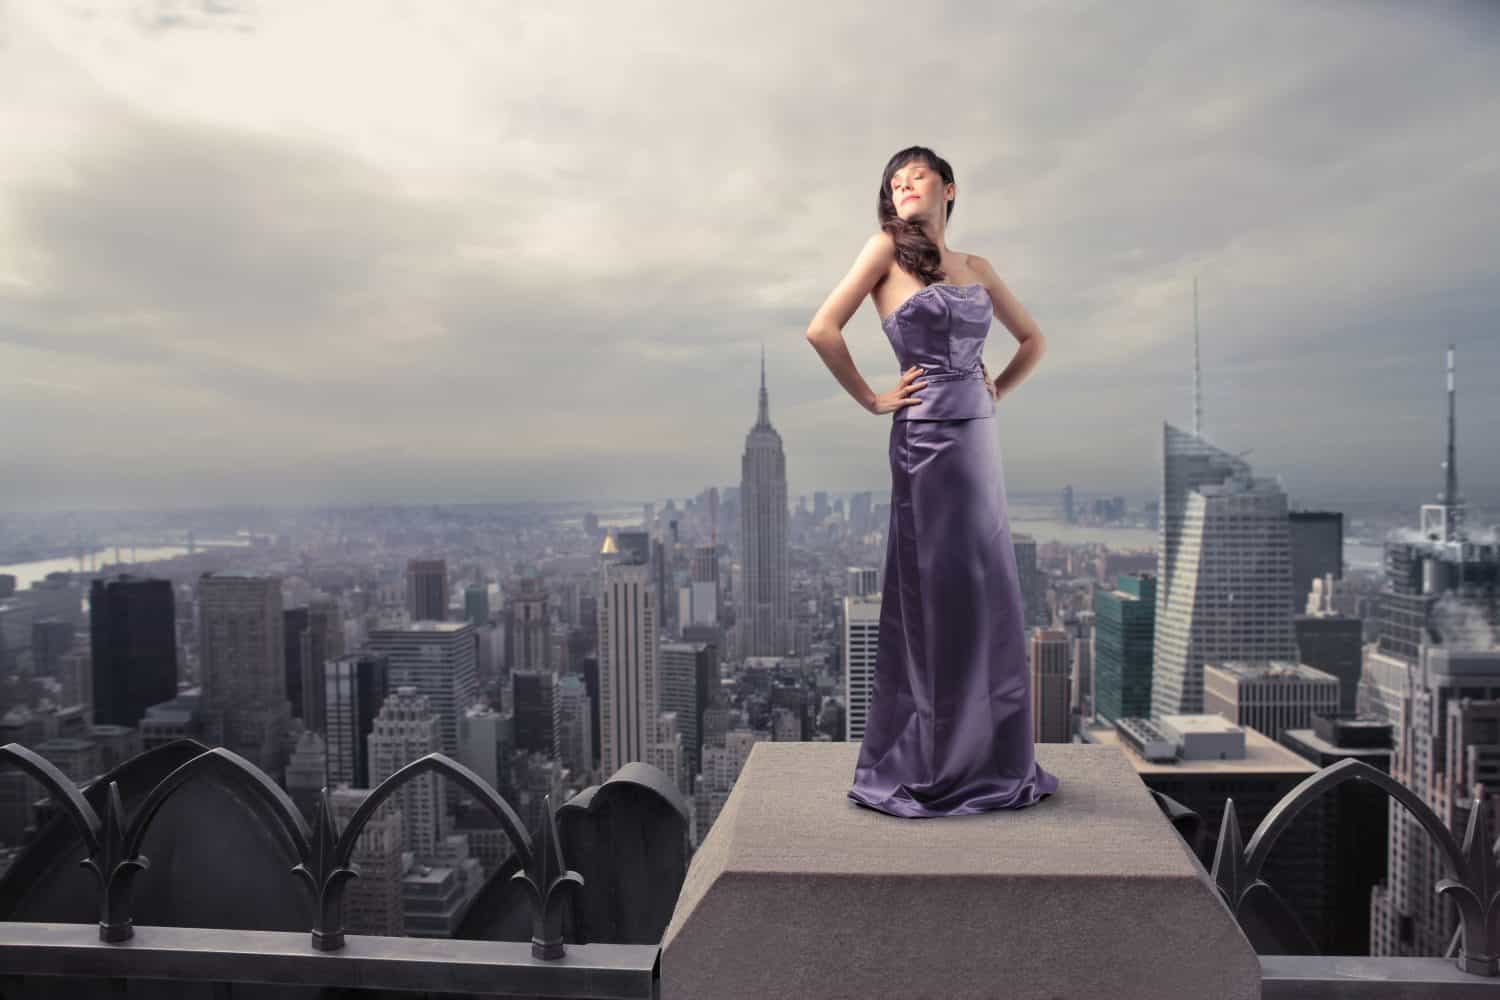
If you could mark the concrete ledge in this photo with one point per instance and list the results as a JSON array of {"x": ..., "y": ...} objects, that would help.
[{"x": 799, "y": 892}]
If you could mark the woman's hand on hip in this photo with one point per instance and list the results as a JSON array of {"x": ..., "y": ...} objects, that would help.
[
  {"x": 889, "y": 402},
  {"x": 990, "y": 383}
]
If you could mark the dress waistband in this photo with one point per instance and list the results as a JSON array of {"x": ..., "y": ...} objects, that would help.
[
  {"x": 950, "y": 394},
  {"x": 935, "y": 374}
]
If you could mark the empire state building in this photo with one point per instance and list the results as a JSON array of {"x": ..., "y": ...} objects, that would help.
[{"x": 765, "y": 594}]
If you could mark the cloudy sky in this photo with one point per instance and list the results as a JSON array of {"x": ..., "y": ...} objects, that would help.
[{"x": 438, "y": 251}]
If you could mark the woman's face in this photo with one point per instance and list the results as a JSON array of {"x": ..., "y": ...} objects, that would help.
[{"x": 918, "y": 189}]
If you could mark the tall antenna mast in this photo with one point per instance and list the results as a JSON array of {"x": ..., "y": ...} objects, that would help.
[
  {"x": 1197, "y": 369},
  {"x": 763, "y": 417}
]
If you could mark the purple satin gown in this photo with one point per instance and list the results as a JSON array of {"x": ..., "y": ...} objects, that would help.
[{"x": 949, "y": 729}]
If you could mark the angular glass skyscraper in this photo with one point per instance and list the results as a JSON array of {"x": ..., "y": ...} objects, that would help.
[{"x": 1225, "y": 570}]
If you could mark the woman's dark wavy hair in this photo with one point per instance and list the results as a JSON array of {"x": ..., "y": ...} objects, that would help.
[{"x": 915, "y": 253}]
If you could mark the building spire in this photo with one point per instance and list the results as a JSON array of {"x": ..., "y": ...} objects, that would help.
[
  {"x": 1444, "y": 521},
  {"x": 1197, "y": 370},
  {"x": 1450, "y": 498},
  {"x": 1450, "y": 485},
  {"x": 763, "y": 418}
]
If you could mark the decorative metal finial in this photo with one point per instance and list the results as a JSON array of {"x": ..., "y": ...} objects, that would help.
[{"x": 547, "y": 876}]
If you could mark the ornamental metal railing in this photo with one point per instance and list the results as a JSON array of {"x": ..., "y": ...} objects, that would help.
[
  {"x": 113, "y": 846},
  {"x": 1473, "y": 876},
  {"x": 239, "y": 962}
]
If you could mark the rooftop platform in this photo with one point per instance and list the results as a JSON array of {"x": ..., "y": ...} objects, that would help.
[{"x": 799, "y": 892}]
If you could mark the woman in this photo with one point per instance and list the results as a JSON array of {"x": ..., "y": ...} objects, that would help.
[{"x": 949, "y": 730}]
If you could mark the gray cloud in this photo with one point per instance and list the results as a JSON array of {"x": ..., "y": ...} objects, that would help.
[{"x": 539, "y": 254}]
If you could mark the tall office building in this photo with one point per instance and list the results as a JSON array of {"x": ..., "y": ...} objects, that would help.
[
  {"x": 372, "y": 902},
  {"x": 50, "y": 639},
  {"x": 355, "y": 687},
  {"x": 1269, "y": 697},
  {"x": 427, "y": 589},
  {"x": 1225, "y": 591},
  {"x": 1124, "y": 636},
  {"x": 320, "y": 642},
  {"x": 486, "y": 740},
  {"x": 661, "y": 557},
  {"x": 307, "y": 773},
  {"x": 436, "y": 658},
  {"x": 575, "y": 744},
  {"x": 1051, "y": 686},
  {"x": 535, "y": 705},
  {"x": 294, "y": 626},
  {"x": 1434, "y": 673},
  {"x": 132, "y": 647},
  {"x": 764, "y": 621},
  {"x": 242, "y": 663},
  {"x": 528, "y": 626},
  {"x": 723, "y": 760},
  {"x": 1331, "y": 641},
  {"x": 1080, "y": 632},
  {"x": 689, "y": 672},
  {"x": 703, "y": 587},
  {"x": 860, "y": 641},
  {"x": 628, "y": 646},
  {"x": 1033, "y": 581},
  {"x": 477, "y": 604},
  {"x": 589, "y": 671},
  {"x": 406, "y": 730},
  {"x": 75, "y": 670},
  {"x": 1354, "y": 820},
  {"x": 666, "y": 752}
]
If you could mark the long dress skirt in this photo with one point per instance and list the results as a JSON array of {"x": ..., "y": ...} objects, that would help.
[{"x": 949, "y": 730}]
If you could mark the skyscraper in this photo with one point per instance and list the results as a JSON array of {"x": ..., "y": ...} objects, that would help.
[
  {"x": 320, "y": 642},
  {"x": 703, "y": 588},
  {"x": 861, "y": 641},
  {"x": 242, "y": 663},
  {"x": 535, "y": 704},
  {"x": 689, "y": 672},
  {"x": 764, "y": 613},
  {"x": 477, "y": 604},
  {"x": 1434, "y": 673},
  {"x": 406, "y": 730},
  {"x": 575, "y": 745},
  {"x": 427, "y": 589},
  {"x": 372, "y": 902},
  {"x": 436, "y": 658},
  {"x": 355, "y": 688},
  {"x": 628, "y": 645},
  {"x": 528, "y": 625},
  {"x": 1051, "y": 686},
  {"x": 1225, "y": 591},
  {"x": 1125, "y": 623},
  {"x": 1033, "y": 581},
  {"x": 294, "y": 626},
  {"x": 133, "y": 647}
]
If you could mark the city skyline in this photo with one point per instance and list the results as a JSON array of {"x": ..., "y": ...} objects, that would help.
[{"x": 470, "y": 280}]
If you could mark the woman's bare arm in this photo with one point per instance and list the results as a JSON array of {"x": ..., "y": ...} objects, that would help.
[
  {"x": 1020, "y": 324},
  {"x": 826, "y": 331}
]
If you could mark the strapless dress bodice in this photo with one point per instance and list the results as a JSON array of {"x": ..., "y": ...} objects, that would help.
[{"x": 942, "y": 328}]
